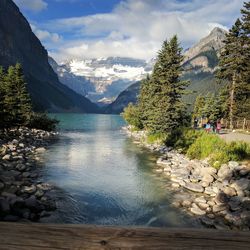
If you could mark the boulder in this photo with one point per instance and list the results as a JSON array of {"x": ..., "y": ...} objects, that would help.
[
  {"x": 29, "y": 189},
  {"x": 221, "y": 198},
  {"x": 40, "y": 150},
  {"x": 225, "y": 172},
  {"x": 208, "y": 178},
  {"x": 4, "y": 205},
  {"x": 195, "y": 187},
  {"x": 20, "y": 167},
  {"x": 6, "y": 157},
  {"x": 219, "y": 208},
  {"x": 241, "y": 184}
]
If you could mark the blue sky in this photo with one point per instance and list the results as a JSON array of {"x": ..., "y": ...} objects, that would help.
[{"x": 134, "y": 28}]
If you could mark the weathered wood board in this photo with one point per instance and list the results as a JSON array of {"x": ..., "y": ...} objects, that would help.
[{"x": 15, "y": 236}]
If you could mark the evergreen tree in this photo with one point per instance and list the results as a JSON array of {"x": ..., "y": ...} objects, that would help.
[
  {"x": 198, "y": 107},
  {"x": 164, "y": 107},
  {"x": 17, "y": 104},
  {"x": 232, "y": 66}
]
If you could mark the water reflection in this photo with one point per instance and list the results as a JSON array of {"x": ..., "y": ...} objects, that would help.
[{"x": 104, "y": 178}]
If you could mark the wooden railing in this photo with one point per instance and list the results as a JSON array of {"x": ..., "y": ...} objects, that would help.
[{"x": 14, "y": 236}]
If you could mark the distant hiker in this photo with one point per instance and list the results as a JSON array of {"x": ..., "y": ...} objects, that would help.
[
  {"x": 218, "y": 127},
  {"x": 213, "y": 126},
  {"x": 208, "y": 127}
]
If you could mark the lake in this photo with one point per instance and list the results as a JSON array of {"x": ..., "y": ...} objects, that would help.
[{"x": 103, "y": 178}]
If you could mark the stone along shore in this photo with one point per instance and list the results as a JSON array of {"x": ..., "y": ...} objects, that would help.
[
  {"x": 22, "y": 196},
  {"x": 218, "y": 198}
]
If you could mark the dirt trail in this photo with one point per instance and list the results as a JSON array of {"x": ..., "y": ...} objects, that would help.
[{"x": 235, "y": 137}]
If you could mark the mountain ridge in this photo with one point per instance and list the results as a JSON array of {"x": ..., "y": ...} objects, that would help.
[{"x": 19, "y": 44}]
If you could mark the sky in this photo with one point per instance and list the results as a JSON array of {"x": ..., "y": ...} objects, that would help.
[{"x": 84, "y": 29}]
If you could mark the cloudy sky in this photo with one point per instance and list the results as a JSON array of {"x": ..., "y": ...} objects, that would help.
[{"x": 131, "y": 28}]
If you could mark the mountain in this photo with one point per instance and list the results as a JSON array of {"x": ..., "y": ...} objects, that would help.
[
  {"x": 19, "y": 44},
  {"x": 107, "y": 76},
  {"x": 199, "y": 65}
]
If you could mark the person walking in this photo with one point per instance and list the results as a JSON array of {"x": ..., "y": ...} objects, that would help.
[{"x": 218, "y": 127}]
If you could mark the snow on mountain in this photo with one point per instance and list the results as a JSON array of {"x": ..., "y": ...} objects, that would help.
[{"x": 109, "y": 76}]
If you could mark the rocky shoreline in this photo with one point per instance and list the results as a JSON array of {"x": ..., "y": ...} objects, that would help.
[
  {"x": 218, "y": 198},
  {"x": 22, "y": 196}
]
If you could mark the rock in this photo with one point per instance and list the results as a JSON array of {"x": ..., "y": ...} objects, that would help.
[
  {"x": 1, "y": 185},
  {"x": 225, "y": 172},
  {"x": 203, "y": 206},
  {"x": 229, "y": 191},
  {"x": 159, "y": 170},
  {"x": 235, "y": 203},
  {"x": 241, "y": 184},
  {"x": 221, "y": 198},
  {"x": 219, "y": 208},
  {"x": 29, "y": 189},
  {"x": 167, "y": 169},
  {"x": 197, "y": 211},
  {"x": 246, "y": 204},
  {"x": 31, "y": 202},
  {"x": 211, "y": 203},
  {"x": 40, "y": 150},
  {"x": 6, "y": 157},
  {"x": 26, "y": 174},
  {"x": 205, "y": 184},
  {"x": 209, "y": 191},
  {"x": 208, "y": 178},
  {"x": 20, "y": 167},
  {"x": 233, "y": 164},
  {"x": 200, "y": 200},
  {"x": 175, "y": 185},
  {"x": 208, "y": 170},
  {"x": 39, "y": 193},
  {"x": 194, "y": 187},
  {"x": 4, "y": 205},
  {"x": 186, "y": 203},
  {"x": 176, "y": 204},
  {"x": 245, "y": 216},
  {"x": 207, "y": 221}
]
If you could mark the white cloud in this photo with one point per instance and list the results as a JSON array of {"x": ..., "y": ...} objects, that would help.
[
  {"x": 33, "y": 5},
  {"x": 137, "y": 28},
  {"x": 46, "y": 36}
]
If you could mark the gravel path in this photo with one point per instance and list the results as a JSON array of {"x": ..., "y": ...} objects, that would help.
[{"x": 235, "y": 137}]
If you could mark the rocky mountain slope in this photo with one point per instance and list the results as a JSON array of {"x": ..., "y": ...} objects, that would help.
[
  {"x": 102, "y": 79},
  {"x": 199, "y": 64},
  {"x": 19, "y": 44}
]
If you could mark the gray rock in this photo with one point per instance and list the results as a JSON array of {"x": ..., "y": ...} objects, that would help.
[
  {"x": 29, "y": 189},
  {"x": 200, "y": 200},
  {"x": 229, "y": 191},
  {"x": 11, "y": 218},
  {"x": 20, "y": 167},
  {"x": 221, "y": 198},
  {"x": 203, "y": 206},
  {"x": 186, "y": 203},
  {"x": 6, "y": 157},
  {"x": 197, "y": 211},
  {"x": 241, "y": 184},
  {"x": 4, "y": 205},
  {"x": 40, "y": 150},
  {"x": 233, "y": 164},
  {"x": 1, "y": 185},
  {"x": 208, "y": 178},
  {"x": 225, "y": 172},
  {"x": 194, "y": 187},
  {"x": 219, "y": 208}
]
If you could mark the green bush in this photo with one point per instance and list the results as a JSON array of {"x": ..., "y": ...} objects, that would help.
[
  {"x": 186, "y": 138},
  {"x": 217, "y": 150},
  {"x": 158, "y": 138},
  {"x": 131, "y": 115},
  {"x": 42, "y": 121}
]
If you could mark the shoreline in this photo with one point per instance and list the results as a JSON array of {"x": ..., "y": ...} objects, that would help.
[
  {"x": 23, "y": 197},
  {"x": 220, "y": 199}
]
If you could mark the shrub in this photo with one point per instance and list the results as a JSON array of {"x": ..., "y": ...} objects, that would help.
[
  {"x": 187, "y": 138},
  {"x": 205, "y": 145},
  {"x": 131, "y": 115},
  {"x": 238, "y": 150},
  {"x": 158, "y": 138},
  {"x": 42, "y": 121}
]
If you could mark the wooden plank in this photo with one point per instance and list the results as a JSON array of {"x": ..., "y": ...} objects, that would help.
[{"x": 14, "y": 236}]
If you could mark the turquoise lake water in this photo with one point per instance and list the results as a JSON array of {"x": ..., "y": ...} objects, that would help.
[{"x": 104, "y": 178}]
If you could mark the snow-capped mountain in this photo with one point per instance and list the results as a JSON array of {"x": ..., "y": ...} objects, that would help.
[{"x": 108, "y": 76}]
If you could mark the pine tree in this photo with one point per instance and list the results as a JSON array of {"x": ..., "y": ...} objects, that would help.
[
  {"x": 198, "y": 107},
  {"x": 17, "y": 104},
  {"x": 232, "y": 65},
  {"x": 165, "y": 110}
]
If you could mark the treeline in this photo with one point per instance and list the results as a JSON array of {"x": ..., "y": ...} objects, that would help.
[
  {"x": 15, "y": 102},
  {"x": 160, "y": 108},
  {"x": 233, "y": 102}
]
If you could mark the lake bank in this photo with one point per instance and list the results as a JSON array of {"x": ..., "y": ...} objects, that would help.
[
  {"x": 22, "y": 196},
  {"x": 219, "y": 198}
]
